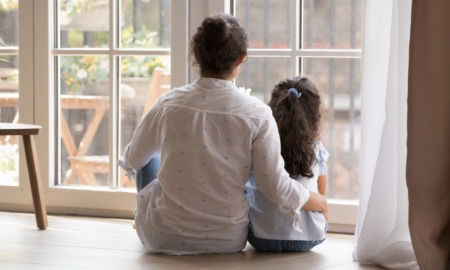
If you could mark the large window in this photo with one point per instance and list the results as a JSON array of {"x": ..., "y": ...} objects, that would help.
[{"x": 91, "y": 68}]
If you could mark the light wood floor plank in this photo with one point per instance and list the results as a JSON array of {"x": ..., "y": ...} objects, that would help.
[{"x": 73, "y": 242}]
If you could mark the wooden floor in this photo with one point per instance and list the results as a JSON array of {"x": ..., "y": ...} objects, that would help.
[{"x": 98, "y": 243}]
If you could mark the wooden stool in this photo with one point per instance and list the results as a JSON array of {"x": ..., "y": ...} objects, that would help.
[{"x": 27, "y": 132}]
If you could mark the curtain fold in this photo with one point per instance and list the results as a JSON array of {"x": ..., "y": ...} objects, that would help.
[
  {"x": 428, "y": 162},
  {"x": 382, "y": 235}
]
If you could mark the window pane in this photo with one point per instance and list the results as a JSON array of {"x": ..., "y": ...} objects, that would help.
[
  {"x": 330, "y": 24},
  {"x": 84, "y": 102},
  {"x": 9, "y": 101},
  {"x": 9, "y": 23},
  {"x": 144, "y": 79},
  {"x": 83, "y": 23},
  {"x": 145, "y": 24},
  {"x": 262, "y": 73},
  {"x": 9, "y": 73},
  {"x": 268, "y": 23},
  {"x": 9, "y": 95},
  {"x": 339, "y": 83}
]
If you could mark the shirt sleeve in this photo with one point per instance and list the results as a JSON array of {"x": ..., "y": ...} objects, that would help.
[
  {"x": 322, "y": 158},
  {"x": 145, "y": 143},
  {"x": 269, "y": 174}
]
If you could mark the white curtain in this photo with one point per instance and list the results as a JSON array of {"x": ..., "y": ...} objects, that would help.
[{"x": 382, "y": 234}]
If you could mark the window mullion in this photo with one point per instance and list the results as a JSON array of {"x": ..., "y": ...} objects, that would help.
[
  {"x": 114, "y": 94},
  {"x": 295, "y": 38}
]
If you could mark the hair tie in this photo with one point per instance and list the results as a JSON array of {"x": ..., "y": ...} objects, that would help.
[{"x": 295, "y": 92}]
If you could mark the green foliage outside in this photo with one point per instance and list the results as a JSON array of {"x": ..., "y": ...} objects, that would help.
[
  {"x": 9, "y": 163},
  {"x": 7, "y": 5}
]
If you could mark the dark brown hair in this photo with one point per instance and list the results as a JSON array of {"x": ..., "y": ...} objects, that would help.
[
  {"x": 218, "y": 44},
  {"x": 298, "y": 118}
]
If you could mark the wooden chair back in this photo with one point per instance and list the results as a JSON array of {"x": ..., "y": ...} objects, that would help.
[{"x": 160, "y": 83}]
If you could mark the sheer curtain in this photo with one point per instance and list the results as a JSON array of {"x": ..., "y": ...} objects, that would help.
[{"x": 382, "y": 235}]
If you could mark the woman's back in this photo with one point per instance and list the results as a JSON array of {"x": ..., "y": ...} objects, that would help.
[{"x": 206, "y": 148}]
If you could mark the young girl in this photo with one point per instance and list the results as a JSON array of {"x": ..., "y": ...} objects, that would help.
[
  {"x": 209, "y": 135},
  {"x": 296, "y": 107}
]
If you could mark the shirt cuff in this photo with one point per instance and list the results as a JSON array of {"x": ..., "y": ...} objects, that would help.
[
  {"x": 304, "y": 195},
  {"x": 129, "y": 172}
]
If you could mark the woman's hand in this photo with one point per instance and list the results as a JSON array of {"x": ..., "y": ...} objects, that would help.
[
  {"x": 318, "y": 203},
  {"x": 325, "y": 214}
]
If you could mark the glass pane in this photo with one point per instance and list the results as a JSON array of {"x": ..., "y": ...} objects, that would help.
[
  {"x": 339, "y": 82},
  {"x": 9, "y": 73},
  {"x": 145, "y": 24},
  {"x": 9, "y": 23},
  {"x": 268, "y": 23},
  {"x": 9, "y": 101},
  {"x": 143, "y": 80},
  {"x": 9, "y": 95},
  {"x": 260, "y": 74},
  {"x": 329, "y": 24},
  {"x": 83, "y": 23},
  {"x": 84, "y": 129}
]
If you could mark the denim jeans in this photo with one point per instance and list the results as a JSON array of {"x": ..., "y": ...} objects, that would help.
[
  {"x": 148, "y": 173},
  {"x": 271, "y": 245}
]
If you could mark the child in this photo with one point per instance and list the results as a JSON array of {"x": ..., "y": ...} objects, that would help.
[
  {"x": 206, "y": 137},
  {"x": 296, "y": 108}
]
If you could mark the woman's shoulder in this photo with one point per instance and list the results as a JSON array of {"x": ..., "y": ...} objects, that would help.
[{"x": 229, "y": 99}]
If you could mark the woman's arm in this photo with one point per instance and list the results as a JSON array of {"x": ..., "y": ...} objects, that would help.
[
  {"x": 317, "y": 202},
  {"x": 269, "y": 174},
  {"x": 145, "y": 143}
]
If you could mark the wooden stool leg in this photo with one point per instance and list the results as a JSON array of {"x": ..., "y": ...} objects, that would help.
[{"x": 35, "y": 183}]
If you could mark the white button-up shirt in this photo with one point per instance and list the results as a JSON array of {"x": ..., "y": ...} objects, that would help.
[{"x": 210, "y": 135}]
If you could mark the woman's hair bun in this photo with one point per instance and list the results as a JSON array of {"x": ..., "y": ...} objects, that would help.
[
  {"x": 216, "y": 28},
  {"x": 218, "y": 44}
]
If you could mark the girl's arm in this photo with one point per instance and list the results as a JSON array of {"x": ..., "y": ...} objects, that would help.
[{"x": 322, "y": 184}]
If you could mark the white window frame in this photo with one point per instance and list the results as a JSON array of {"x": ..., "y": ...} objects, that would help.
[{"x": 19, "y": 197}]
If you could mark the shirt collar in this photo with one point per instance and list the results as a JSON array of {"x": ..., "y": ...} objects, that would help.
[{"x": 215, "y": 83}]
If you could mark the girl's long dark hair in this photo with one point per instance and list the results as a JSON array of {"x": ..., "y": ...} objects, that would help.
[{"x": 298, "y": 119}]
